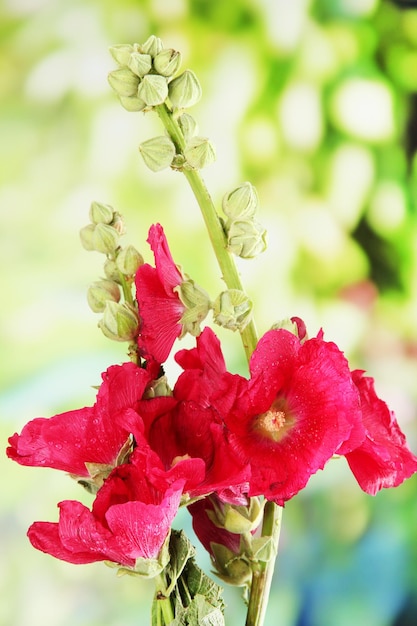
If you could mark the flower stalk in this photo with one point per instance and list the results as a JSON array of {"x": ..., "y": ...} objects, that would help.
[{"x": 214, "y": 227}]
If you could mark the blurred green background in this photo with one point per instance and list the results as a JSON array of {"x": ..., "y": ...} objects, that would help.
[{"x": 314, "y": 102}]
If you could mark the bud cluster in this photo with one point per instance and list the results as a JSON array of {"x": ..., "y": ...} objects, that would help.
[
  {"x": 146, "y": 79},
  {"x": 120, "y": 319},
  {"x": 246, "y": 237}
]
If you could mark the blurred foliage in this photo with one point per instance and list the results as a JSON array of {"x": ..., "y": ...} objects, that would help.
[{"x": 314, "y": 102}]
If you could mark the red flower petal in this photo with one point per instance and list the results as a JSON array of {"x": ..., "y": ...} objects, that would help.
[{"x": 383, "y": 459}]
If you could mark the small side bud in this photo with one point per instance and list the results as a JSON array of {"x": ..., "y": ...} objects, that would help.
[
  {"x": 100, "y": 292},
  {"x": 120, "y": 321},
  {"x": 185, "y": 90},
  {"x": 121, "y": 53},
  {"x": 111, "y": 270},
  {"x": 128, "y": 260},
  {"x": 199, "y": 152},
  {"x": 232, "y": 310},
  {"x": 157, "y": 152},
  {"x": 140, "y": 64},
  {"x": 132, "y": 103},
  {"x": 153, "y": 89},
  {"x": 188, "y": 126},
  {"x": 105, "y": 239},
  {"x": 246, "y": 238},
  {"x": 197, "y": 303},
  {"x": 153, "y": 46},
  {"x": 101, "y": 213},
  {"x": 167, "y": 62},
  {"x": 124, "y": 82},
  {"x": 242, "y": 202},
  {"x": 86, "y": 236},
  {"x": 294, "y": 325},
  {"x": 233, "y": 569}
]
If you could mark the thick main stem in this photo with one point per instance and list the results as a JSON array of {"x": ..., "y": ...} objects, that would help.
[{"x": 262, "y": 571}]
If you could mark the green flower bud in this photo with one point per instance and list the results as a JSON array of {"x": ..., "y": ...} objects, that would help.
[
  {"x": 157, "y": 152},
  {"x": 235, "y": 518},
  {"x": 124, "y": 82},
  {"x": 120, "y": 321},
  {"x": 105, "y": 239},
  {"x": 199, "y": 152},
  {"x": 132, "y": 103},
  {"x": 140, "y": 64},
  {"x": 197, "y": 303},
  {"x": 118, "y": 223},
  {"x": 242, "y": 202},
  {"x": 111, "y": 270},
  {"x": 153, "y": 46},
  {"x": 128, "y": 260},
  {"x": 188, "y": 126},
  {"x": 231, "y": 568},
  {"x": 121, "y": 53},
  {"x": 246, "y": 238},
  {"x": 167, "y": 62},
  {"x": 153, "y": 89},
  {"x": 86, "y": 236},
  {"x": 232, "y": 310},
  {"x": 100, "y": 292},
  {"x": 101, "y": 213},
  {"x": 157, "y": 388},
  {"x": 185, "y": 90}
]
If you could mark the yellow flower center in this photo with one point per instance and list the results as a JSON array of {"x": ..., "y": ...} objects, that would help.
[{"x": 275, "y": 423}]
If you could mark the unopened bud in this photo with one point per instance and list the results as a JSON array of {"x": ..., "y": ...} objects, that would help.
[
  {"x": 157, "y": 388},
  {"x": 140, "y": 64},
  {"x": 120, "y": 321},
  {"x": 153, "y": 46},
  {"x": 118, "y": 223},
  {"x": 246, "y": 238},
  {"x": 153, "y": 89},
  {"x": 167, "y": 62},
  {"x": 124, "y": 82},
  {"x": 185, "y": 90},
  {"x": 105, "y": 239},
  {"x": 232, "y": 310},
  {"x": 132, "y": 103},
  {"x": 242, "y": 202},
  {"x": 197, "y": 303},
  {"x": 100, "y": 292},
  {"x": 231, "y": 568},
  {"x": 128, "y": 260},
  {"x": 157, "y": 152},
  {"x": 86, "y": 236},
  {"x": 101, "y": 213},
  {"x": 188, "y": 126},
  {"x": 121, "y": 53},
  {"x": 199, "y": 152},
  {"x": 111, "y": 271},
  {"x": 294, "y": 325}
]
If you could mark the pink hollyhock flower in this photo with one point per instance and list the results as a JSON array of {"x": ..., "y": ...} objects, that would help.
[
  {"x": 298, "y": 407},
  {"x": 160, "y": 307},
  {"x": 130, "y": 519},
  {"x": 187, "y": 426},
  {"x": 289, "y": 419},
  {"x": 170, "y": 304},
  {"x": 93, "y": 435},
  {"x": 383, "y": 459}
]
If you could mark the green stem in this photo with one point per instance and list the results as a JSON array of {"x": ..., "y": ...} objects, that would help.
[
  {"x": 215, "y": 230},
  {"x": 164, "y": 607},
  {"x": 263, "y": 571}
]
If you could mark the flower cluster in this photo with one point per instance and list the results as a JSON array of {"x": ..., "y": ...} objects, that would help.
[
  {"x": 232, "y": 449},
  {"x": 216, "y": 437}
]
